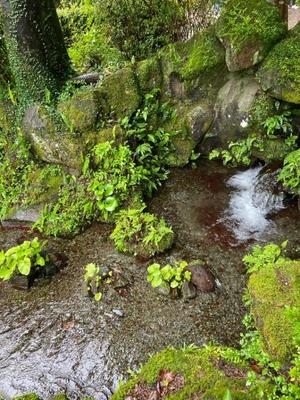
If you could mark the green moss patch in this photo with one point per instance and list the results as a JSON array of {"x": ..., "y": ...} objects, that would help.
[
  {"x": 206, "y": 53},
  {"x": 275, "y": 289},
  {"x": 280, "y": 73},
  {"x": 248, "y": 30},
  {"x": 199, "y": 371}
]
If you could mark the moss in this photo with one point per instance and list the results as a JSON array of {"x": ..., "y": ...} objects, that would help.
[
  {"x": 149, "y": 74},
  {"x": 120, "y": 91},
  {"x": 199, "y": 369},
  {"x": 81, "y": 111},
  {"x": 29, "y": 396},
  {"x": 263, "y": 108},
  {"x": 206, "y": 53},
  {"x": 252, "y": 20},
  {"x": 60, "y": 396},
  {"x": 280, "y": 73},
  {"x": 7, "y": 115},
  {"x": 114, "y": 134},
  {"x": 273, "y": 289}
]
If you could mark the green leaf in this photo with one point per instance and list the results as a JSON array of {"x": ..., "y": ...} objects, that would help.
[
  {"x": 91, "y": 270},
  {"x": 24, "y": 266},
  {"x": 40, "y": 261},
  {"x": 98, "y": 296},
  {"x": 110, "y": 204}
]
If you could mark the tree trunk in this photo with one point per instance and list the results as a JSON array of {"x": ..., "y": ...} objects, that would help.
[
  {"x": 36, "y": 51},
  {"x": 283, "y": 9}
]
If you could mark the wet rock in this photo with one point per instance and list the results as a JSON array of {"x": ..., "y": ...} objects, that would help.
[
  {"x": 202, "y": 278},
  {"x": 248, "y": 30},
  {"x": 200, "y": 119},
  {"x": 189, "y": 291},
  {"x": 164, "y": 291},
  {"x": 118, "y": 312},
  {"x": 20, "y": 282},
  {"x": 233, "y": 111}
]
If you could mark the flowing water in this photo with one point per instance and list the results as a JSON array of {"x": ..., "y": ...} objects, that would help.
[{"x": 55, "y": 339}]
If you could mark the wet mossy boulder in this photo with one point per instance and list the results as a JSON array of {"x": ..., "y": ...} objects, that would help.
[
  {"x": 194, "y": 69},
  {"x": 279, "y": 75},
  {"x": 204, "y": 54},
  {"x": 275, "y": 294},
  {"x": 43, "y": 185},
  {"x": 51, "y": 140},
  {"x": 248, "y": 30},
  {"x": 190, "y": 124},
  {"x": 233, "y": 111},
  {"x": 81, "y": 111},
  {"x": 190, "y": 373},
  {"x": 120, "y": 93}
]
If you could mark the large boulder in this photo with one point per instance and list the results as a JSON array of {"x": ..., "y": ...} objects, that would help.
[
  {"x": 233, "y": 111},
  {"x": 279, "y": 75},
  {"x": 248, "y": 30},
  {"x": 81, "y": 111},
  {"x": 50, "y": 140},
  {"x": 195, "y": 69},
  {"x": 120, "y": 93}
]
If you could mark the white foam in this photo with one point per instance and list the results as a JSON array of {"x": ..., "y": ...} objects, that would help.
[{"x": 250, "y": 205}]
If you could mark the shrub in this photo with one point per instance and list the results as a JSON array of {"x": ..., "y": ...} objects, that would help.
[{"x": 142, "y": 233}]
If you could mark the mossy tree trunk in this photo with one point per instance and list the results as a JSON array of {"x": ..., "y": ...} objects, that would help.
[{"x": 36, "y": 51}]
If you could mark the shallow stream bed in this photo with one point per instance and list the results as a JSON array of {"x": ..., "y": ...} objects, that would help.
[{"x": 55, "y": 339}]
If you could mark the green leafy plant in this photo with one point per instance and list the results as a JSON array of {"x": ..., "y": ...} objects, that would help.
[
  {"x": 169, "y": 276},
  {"x": 21, "y": 259},
  {"x": 139, "y": 232},
  {"x": 95, "y": 278},
  {"x": 238, "y": 152},
  {"x": 290, "y": 173},
  {"x": 263, "y": 256}
]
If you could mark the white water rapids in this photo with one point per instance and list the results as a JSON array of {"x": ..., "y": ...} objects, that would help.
[{"x": 251, "y": 203}]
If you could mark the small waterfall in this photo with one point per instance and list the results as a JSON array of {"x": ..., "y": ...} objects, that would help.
[{"x": 255, "y": 196}]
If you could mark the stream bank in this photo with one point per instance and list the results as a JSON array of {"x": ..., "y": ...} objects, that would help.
[{"x": 54, "y": 339}]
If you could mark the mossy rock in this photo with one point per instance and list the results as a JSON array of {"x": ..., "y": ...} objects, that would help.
[
  {"x": 272, "y": 150},
  {"x": 120, "y": 92},
  {"x": 51, "y": 140},
  {"x": 43, "y": 188},
  {"x": 194, "y": 69},
  {"x": 274, "y": 289},
  {"x": 233, "y": 112},
  {"x": 205, "y": 54},
  {"x": 149, "y": 74},
  {"x": 189, "y": 125},
  {"x": 82, "y": 110},
  {"x": 248, "y": 30},
  {"x": 201, "y": 377},
  {"x": 279, "y": 75},
  {"x": 114, "y": 134}
]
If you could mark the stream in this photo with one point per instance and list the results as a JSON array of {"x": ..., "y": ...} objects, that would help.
[{"x": 54, "y": 339}]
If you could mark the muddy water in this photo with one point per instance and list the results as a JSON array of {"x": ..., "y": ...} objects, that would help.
[{"x": 54, "y": 339}]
